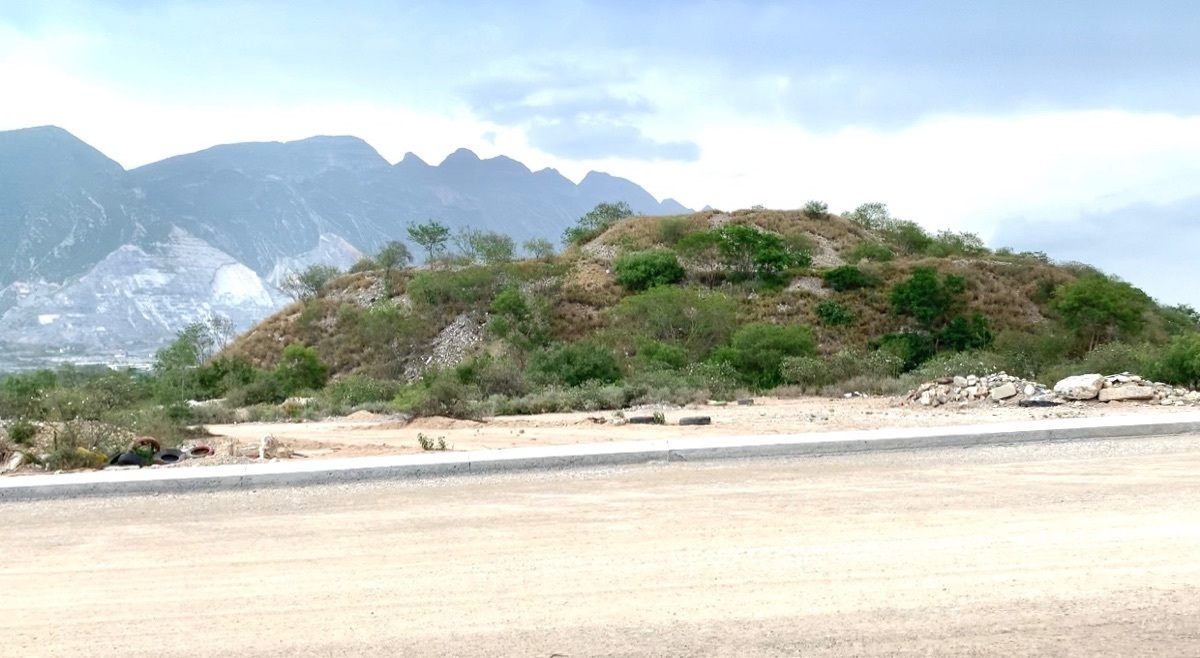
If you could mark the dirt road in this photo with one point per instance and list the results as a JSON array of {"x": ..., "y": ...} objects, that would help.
[{"x": 1086, "y": 549}]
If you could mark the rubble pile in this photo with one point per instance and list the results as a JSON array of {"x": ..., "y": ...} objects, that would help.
[
  {"x": 1004, "y": 389},
  {"x": 998, "y": 387}
]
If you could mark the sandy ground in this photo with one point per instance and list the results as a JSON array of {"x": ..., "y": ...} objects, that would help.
[
  {"x": 366, "y": 434},
  {"x": 1079, "y": 549}
]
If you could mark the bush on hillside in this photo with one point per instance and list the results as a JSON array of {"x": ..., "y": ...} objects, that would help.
[
  {"x": 647, "y": 269},
  {"x": 697, "y": 321},
  {"x": 849, "y": 277},
  {"x": 757, "y": 351},
  {"x": 1180, "y": 362},
  {"x": 576, "y": 363},
  {"x": 834, "y": 314},
  {"x": 300, "y": 369},
  {"x": 872, "y": 251}
]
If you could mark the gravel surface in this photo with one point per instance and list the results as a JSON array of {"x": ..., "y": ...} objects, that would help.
[{"x": 1082, "y": 548}]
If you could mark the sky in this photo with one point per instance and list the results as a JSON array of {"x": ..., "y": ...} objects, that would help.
[{"x": 1071, "y": 127}]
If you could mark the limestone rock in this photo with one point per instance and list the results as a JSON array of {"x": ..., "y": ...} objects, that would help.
[
  {"x": 1004, "y": 391},
  {"x": 1127, "y": 393},
  {"x": 1080, "y": 387}
]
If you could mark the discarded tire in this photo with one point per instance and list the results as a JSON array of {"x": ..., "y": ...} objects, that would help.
[
  {"x": 200, "y": 451},
  {"x": 148, "y": 441},
  {"x": 641, "y": 420},
  {"x": 695, "y": 420},
  {"x": 129, "y": 458},
  {"x": 746, "y": 402},
  {"x": 168, "y": 456}
]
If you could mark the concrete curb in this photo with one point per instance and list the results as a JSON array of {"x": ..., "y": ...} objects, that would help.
[{"x": 318, "y": 471}]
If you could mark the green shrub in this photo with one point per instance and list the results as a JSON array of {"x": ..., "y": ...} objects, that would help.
[
  {"x": 910, "y": 349},
  {"x": 927, "y": 299},
  {"x": 577, "y": 363},
  {"x": 809, "y": 372},
  {"x": 965, "y": 333},
  {"x": 1114, "y": 358},
  {"x": 757, "y": 351},
  {"x": 816, "y": 210},
  {"x": 454, "y": 291},
  {"x": 647, "y": 269},
  {"x": 655, "y": 355},
  {"x": 697, "y": 321},
  {"x": 300, "y": 369},
  {"x": 671, "y": 230},
  {"x": 872, "y": 251},
  {"x": 265, "y": 389},
  {"x": 357, "y": 390},
  {"x": 21, "y": 431},
  {"x": 1030, "y": 355},
  {"x": 953, "y": 364},
  {"x": 907, "y": 236},
  {"x": 24, "y": 395},
  {"x": 1180, "y": 363},
  {"x": 849, "y": 277},
  {"x": 719, "y": 379},
  {"x": 947, "y": 244},
  {"x": 596, "y": 221},
  {"x": 834, "y": 314}
]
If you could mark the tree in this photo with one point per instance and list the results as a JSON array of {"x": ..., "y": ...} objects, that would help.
[
  {"x": 489, "y": 247},
  {"x": 926, "y": 298},
  {"x": 1099, "y": 308},
  {"x": 310, "y": 283},
  {"x": 596, "y": 221},
  {"x": 539, "y": 248},
  {"x": 871, "y": 215},
  {"x": 432, "y": 236},
  {"x": 751, "y": 252},
  {"x": 394, "y": 254},
  {"x": 222, "y": 331}
]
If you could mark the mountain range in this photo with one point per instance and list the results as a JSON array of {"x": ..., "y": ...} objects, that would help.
[{"x": 99, "y": 260}]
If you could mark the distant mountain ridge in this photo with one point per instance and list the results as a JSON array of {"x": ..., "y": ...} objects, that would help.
[{"x": 66, "y": 209}]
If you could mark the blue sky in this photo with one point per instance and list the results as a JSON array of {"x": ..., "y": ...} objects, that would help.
[{"x": 1031, "y": 123}]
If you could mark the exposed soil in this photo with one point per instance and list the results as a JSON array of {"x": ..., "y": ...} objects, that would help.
[{"x": 363, "y": 434}]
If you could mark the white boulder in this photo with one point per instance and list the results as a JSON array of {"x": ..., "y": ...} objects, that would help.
[{"x": 1080, "y": 387}]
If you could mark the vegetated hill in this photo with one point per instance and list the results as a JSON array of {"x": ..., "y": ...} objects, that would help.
[
  {"x": 747, "y": 300},
  {"x": 99, "y": 260}
]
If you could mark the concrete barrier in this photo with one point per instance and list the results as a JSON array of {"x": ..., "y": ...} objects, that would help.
[{"x": 432, "y": 464}]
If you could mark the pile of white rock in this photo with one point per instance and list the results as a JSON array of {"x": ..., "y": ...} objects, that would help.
[
  {"x": 1004, "y": 389},
  {"x": 1124, "y": 387},
  {"x": 962, "y": 390}
]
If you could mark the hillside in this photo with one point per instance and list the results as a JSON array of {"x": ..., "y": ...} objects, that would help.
[
  {"x": 760, "y": 299},
  {"x": 100, "y": 261}
]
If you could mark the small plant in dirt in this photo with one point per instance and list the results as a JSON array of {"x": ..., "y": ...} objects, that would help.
[
  {"x": 429, "y": 443},
  {"x": 658, "y": 418}
]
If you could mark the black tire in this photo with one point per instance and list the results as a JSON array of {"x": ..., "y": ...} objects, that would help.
[
  {"x": 168, "y": 456},
  {"x": 695, "y": 420},
  {"x": 129, "y": 458},
  {"x": 745, "y": 402},
  {"x": 1038, "y": 403},
  {"x": 641, "y": 420}
]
